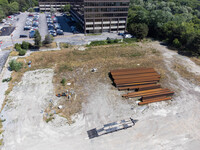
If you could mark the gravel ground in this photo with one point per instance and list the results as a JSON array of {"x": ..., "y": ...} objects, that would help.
[{"x": 161, "y": 126}]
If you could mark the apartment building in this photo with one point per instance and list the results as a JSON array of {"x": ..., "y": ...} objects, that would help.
[{"x": 95, "y": 16}]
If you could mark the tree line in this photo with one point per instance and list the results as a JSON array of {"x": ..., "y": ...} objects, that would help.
[
  {"x": 9, "y": 7},
  {"x": 177, "y": 22}
]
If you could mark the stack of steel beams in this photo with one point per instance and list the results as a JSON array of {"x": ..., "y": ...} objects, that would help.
[{"x": 143, "y": 81}]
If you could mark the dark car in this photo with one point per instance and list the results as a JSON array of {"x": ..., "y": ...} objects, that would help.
[
  {"x": 23, "y": 36},
  {"x": 59, "y": 32},
  {"x": 75, "y": 32}
]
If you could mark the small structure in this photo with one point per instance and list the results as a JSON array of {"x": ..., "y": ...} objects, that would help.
[{"x": 111, "y": 127}]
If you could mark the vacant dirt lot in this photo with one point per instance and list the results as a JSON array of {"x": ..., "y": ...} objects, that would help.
[{"x": 165, "y": 125}]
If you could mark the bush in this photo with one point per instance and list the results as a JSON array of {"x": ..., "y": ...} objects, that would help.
[
  {"x": 176, "y": 43},
  {"x": 22, "y": 52},
  {"x": 96, "y": 43},
  {"x": 15, "y": 66},
  {"x": 18, "y": 46},
  {"x": 116, "y": 41},
  {"x": 48, "y": 39},
  {"x": 7, "y": 79},
  {"x": 25, "y": 45},
  {"x": 63, "y": 81}
]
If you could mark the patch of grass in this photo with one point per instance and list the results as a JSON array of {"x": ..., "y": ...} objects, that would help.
[
  {"x": 14, "y": 53},
  {"x": 65, "y": 67},
  {"x": 49, "y": 119},
  {"x": 182, "y": 70},
  {"x": 51, "y": 45}
]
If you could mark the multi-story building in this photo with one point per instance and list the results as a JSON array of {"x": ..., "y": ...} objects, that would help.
[{"x": 96, "y": 16}]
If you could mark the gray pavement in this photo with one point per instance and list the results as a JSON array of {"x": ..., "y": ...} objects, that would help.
[
  {"x": 3, "y": 58},
  {"x": 43, "y": 26}
]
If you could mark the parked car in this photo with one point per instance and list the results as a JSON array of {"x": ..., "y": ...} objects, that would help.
[
  {"x": 57, "y": 26},
  {"x": 32, "y": 34},
  {"x": 52, "y": 32},
  {"x": 60, "y": 32},
  {"x": 127, "y": 36},
  {"x": 22, "y": 36},
  {"x": 27, "y": 27}
]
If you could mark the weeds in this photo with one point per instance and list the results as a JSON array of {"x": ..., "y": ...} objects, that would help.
[{"x": 63, "y": 82}]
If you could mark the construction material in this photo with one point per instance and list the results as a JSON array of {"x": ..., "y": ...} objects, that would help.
[
  {"x": 140, "y": 87},
  {"x": 111, "y": 127},
  {"x": 143, "y": 81},
  {"x": 155, "y": 100}
]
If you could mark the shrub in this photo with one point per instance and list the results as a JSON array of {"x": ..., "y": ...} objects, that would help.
[
  {"x": 22, "y": 52},
  {"x": 25, "y": 45},
  {"x": 7, "y": 79},
  {"x": 116, "y": 41},
  {"x": 63, "y": 81},
  {"x": 96, "y": 43},
  {"x": 176, "y": 43},
  {"x": 17, "y": 47},
  {"x": 15, "y": 66},
  {"x": 48, "y": 39}
]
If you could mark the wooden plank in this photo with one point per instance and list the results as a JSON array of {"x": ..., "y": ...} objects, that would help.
[
  {"x": 136, "y": 76},
  {"x": 156, "y": 100}
]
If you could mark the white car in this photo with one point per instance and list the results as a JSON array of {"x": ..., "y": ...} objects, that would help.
[{"x": 127, "y": 36}]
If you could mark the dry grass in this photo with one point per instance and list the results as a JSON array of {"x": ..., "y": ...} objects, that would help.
[
  {"x": 14, "y": 53},
  {"x": 196, "y": 60},
  {"x": 182, "y": 70},
  {"x": 52, "y": 45},
  {"x": 75, "y": 67}
]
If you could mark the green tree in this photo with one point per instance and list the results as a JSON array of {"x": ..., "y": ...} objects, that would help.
[
  {"x": 48, "y": 39},
  {"x": 140, "y": 30},
  {"x": 25, "y": 45},
  {"x": 66, "y": 8},
  {"x": 37, "y": 39},
  {"x": 14, "y": 7}
]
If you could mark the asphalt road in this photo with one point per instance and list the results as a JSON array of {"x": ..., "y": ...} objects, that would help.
[{"x": 3, "y": 57}]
